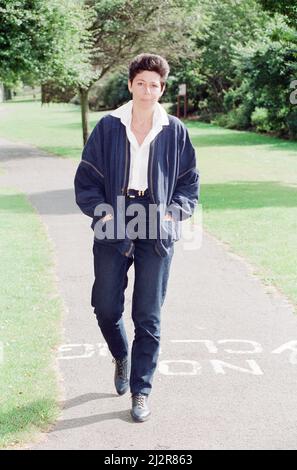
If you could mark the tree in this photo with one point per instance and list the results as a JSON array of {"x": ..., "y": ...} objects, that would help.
[
  {"x": 220, "y": 26},
  {"x": 43, "y": 41},
  {"x": 265, "y": 68},
  {"x": 123, "y": 28},
  {"x": 48, "y": 42},
  {"x": 285, "y": 7},
  {"x": 76, "y": 42}
]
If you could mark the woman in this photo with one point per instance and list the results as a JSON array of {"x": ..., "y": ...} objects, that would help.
[{"x": 138, "y": 159}]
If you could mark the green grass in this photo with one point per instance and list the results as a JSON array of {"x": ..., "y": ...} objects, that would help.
[
  {"x": 249, "y": 199},
  {"x": 30, "y": 312},
  {"x": 55, "y": 128},
  {"x": 248, "y": 182}
]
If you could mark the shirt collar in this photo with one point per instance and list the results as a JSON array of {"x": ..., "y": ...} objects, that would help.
[{"x": 124, "y": 112}]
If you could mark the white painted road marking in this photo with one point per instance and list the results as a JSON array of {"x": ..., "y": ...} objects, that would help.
[{"x": 189, "y": 366}]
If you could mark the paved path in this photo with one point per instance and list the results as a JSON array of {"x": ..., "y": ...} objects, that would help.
[{"x": 228, "y": 367}]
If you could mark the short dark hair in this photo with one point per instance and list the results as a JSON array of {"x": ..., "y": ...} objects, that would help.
[{"x": 151, "y": 62}]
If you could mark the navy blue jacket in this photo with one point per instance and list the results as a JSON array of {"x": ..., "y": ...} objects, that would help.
[{"x": 173, "y": 178}]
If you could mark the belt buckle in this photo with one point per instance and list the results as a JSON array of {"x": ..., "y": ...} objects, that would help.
[
  {"x": 140, "y": 192},
  {"x": 129, "y": 195}
]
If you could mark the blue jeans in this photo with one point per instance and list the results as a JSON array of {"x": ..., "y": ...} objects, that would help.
[{"x": 111, "y": 280}]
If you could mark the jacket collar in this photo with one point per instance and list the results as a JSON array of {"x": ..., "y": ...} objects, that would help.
[{"x": 124, "y": 113}]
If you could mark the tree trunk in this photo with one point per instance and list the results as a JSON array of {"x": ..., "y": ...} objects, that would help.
[
  {"x": 7, "y": 93},
  {"x": 84, "y": 104}
]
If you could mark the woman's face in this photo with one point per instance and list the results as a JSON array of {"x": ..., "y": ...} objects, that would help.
[{"x": 146, "y": 88}]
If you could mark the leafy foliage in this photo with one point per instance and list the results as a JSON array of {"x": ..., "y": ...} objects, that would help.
[
  {"x": 44, "y": 41},
  {"x": 268, "y": 66}
]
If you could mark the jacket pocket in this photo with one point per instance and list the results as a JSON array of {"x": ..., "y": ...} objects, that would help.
[
  {"x": 105, "y": 231},
  {"x": 168, "y": 231}
]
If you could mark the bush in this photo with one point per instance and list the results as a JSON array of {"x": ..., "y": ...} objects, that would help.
[
  {"x": 260, "y": 119},
  {"x": 220, "y": 120},
  {"x": 110, "y": 93},
  {"x": 115, "y": 92},
  {"x": 237, "y": 118}
]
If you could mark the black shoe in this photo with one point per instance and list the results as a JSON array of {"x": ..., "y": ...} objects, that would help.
[
  {"x": 140, "y": 411},
  {"x": 121, "y": 379}
]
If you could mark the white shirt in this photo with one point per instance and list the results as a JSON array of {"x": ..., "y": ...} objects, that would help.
[{"x": 138, "y": 178}]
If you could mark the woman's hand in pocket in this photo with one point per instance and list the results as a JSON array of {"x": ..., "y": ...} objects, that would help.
[
  {"x": 107, "y": 217},
  {"x": 168, "y": 217}
]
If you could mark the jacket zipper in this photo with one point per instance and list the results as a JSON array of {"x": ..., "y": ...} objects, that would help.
[
  {"x": 130, "y": 249},
  {"x": 126, "y": 166},
  {"x": 126, "y": 178},
  {"x": 150, "y": 185}
]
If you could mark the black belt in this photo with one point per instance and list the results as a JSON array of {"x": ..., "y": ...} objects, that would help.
[{"x": 137, "y": 193}]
